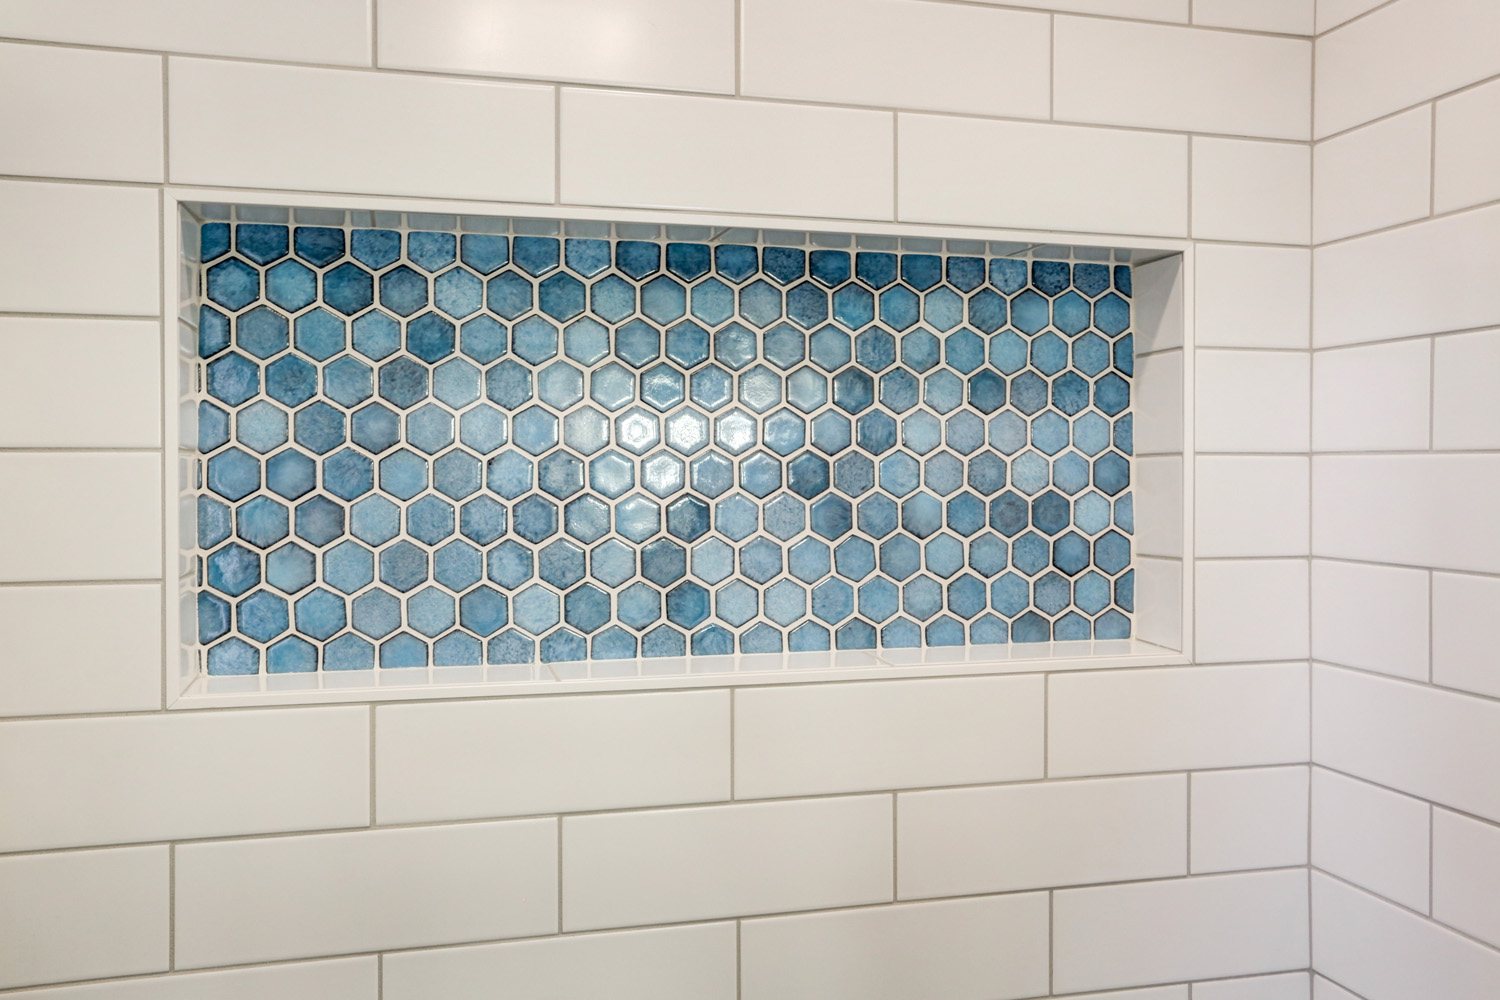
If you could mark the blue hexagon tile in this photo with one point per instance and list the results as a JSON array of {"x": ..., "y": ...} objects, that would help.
[{"x": 455, "y": 448}]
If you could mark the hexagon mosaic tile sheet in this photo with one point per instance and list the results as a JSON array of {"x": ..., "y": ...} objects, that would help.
[{"x": 438, "y": 448}]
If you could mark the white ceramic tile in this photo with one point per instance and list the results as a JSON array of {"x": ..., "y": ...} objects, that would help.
[
  {"x": 1252, "y": 401},
  {"x": 74, "y": 113},
  {"x": 808, "y": 740},
  {"x": 1291, "y": 17},
  {"x": 1420, "y": 510},
  {"x": 1327, "y": 989},
  {"x": 1466, "y": 874},
  {"x": 80, "y": 649},
  {"x": 1332, "y": 13},
  {"x": 1177, "y": 718},
  {"x": 83, "y": 516},
  {"x": 899, "y": 54},
  {"x": 1158, "y": 409},
  {"x": 1147, "y": 10},
  {"x": 1241, "y": 84},
  {"x": 1179, "y": 992},
  {"x": 106, "y": 781},
  {"x": 1384, "y": 62},
  {"x": 1445, "y": 264},
  {"x": 1256, "y": 192},
  {"x": 1158, "y": 491},
  {"x": 1159, "y": 321},
  {"x": 967, "y": 172},
  {"x": 1287, "y": 986},
  {"x": 1372, "y": 837},
  {"x": 1374, "y": 617},
  {"x": 1373, "y": 177},
  {"x": 51, "y": 364},
  {"x": 1253, "y": 296},
  {"x": 248, "y": 901},
  {"x": 1373, "y": 398},
  {"x": 1250, "y": 610},
  {"x": 1250, "y": 505},
  {"x": 83, "y": 915},
  {"x": 718, "y": 861},
  {"x": 437, "y": 761},
  {"x": 498, "y": 136},
  {"x": 672, "y": 963},
  {"x": 1158, "y": 601},
  {"x": 334, "y": 979},
  {"x": 970, "y": 949},
  {"x": 1409, "y": 737},
  {"x": 1382, "y": 952},
  {"x": 330, "y": 31},
  {"x": 1467, "y": 168},
  {"x": 1247, "y": 819},
  {"x": 47, "y": 223},
  {"x": 1465, "y": 370},
  {"x": 973, "y": 840},
  {"x": 1463, "y": 651},
  {"x": 1199, "y": 928},
  {"x": 666, "y": 151},
  {"x": 672, "y": 44}
]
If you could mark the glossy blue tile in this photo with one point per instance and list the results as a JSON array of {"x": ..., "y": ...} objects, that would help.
[
  {"x": 375, "y": 248},
  {"x": 377, "y": 613},
  {"x": 483, "y": 252}
]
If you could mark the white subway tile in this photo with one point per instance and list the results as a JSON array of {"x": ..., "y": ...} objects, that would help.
[
  {"x": 330, "y": 31},
  {"x": 1441, "y": 284},
  {"x": 1372, "y": 837},
  {"x": 1373, "y": 617},
  {"x": 1373, "y": 398},
  {"x": 1465, "y": 370},
  {"x": 898, "y": 53},
  {"x": 1253, "y": 296},
  {"x": 437, "y": 761},
  {"x": 1385, "y": 62},
  {"x": 1420, "y": 510},
  {"x": 1159, "y": 319},
  {"x": 1158, "y": 601},
  {"x": 1182, "y": 78},
  {"x": 1017, "y": 174},
  {"x": 1250, "y": 610},
  {"x": 1463, "y": 650},
  {"x": 246, "y": 901},
  {"x": 1291, "y": 17},
  {"x": 52, "y": 364},
  {"x": 672, "y": 963},
  {"x": 667, "y": 151},
  {"x": 333, "y": 979},
  {"x": 1177, "y": 718},
  {"x": 1158, "y": 404},
  {"x": 1286, "y": 986},
  {"x": 1382, "y": 952},
  {"x": 1146, "y": 10},
  {"x": 1373, "y": 177},
  {"x": 1179, "y": 992},
  {"x": 1158, "y": 491},
  {"x": 1467, "y": 168},
  {"x": 74, "y": 113},
  {"x": 1252, "y": 505},
  {"x": 47, "y": 223},
  {"x": 1332, "y": 13},
  {"x": 1410, "y": 737},
  {"x": 169, "y": 777},
  {"x": 671, "y": 44},
  {"x": 970, "y": 949},
  {"x": 82, "y": 516},
  {"x": 1327, "y": 989},
  {"x": 80, "y": 649},
  {"x": 83, "y": 915},
  {"x": 719, "y": 861},
  {"x": 808, "y": 740},
  {"x": 975, "y": 840},
  {"x": 497, "y": 137},
  {"x": 1256, "y": 192},
  {"x": 1252, "y": 401},
  {"x": 1249, "y": 819},
  {"x": 1466, "y": 875},
  {"x": 1198, "y": 928}
]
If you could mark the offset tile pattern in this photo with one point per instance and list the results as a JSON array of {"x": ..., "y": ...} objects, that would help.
[{"x": 421, "y": 447}]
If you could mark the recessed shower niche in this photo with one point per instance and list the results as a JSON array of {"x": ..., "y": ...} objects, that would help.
[{"x": 420, "y": 448}]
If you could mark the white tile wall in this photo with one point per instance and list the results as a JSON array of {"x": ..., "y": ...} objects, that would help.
[
  {"x": 671, "y": 44},
  {"x": 1246, "y": 84},
  {"x": 1466, "y": 874},
  {"x": 1148, "y": 10},
  {"x": 1373, "y": 177},
  {"x": 53, "y": 363},
  {"x": 1373, "y": 398},
  {"x": 1293, "y": 17},
  {"x": 1158, "y": 397},
  {"x": 902, "y": 734},
  {"x": 1251, "y": 505},
  {"x": 1332, "y": 13},
  {"x": 1465, "y": 368},
  {"x": 1217, "y": 925},
  {"x": 1257, "y": 192},
  {"x": 1466, "y": 154},
  {"x": 973, "y": 949},
  {"x": 83, "y": 915},
  {"x": 1326, "y": 989},
  {"x": 1287, "y": 986},
  {"x": 1372, "y": 837},
  {"x": 1463, "y": 656},
  {"x": 705, "y": 863},
  {"x": 1234, "y": 307},
  {"x": 340, "y": 978},
  {"x": 1372, "y": 617},
  {"x": 243, "y": 901},
  {"x": 1252, "y": 401},
  {"x": 1254, "y": 818},
  {"x": 1275, "y": 588},
  {"x": 1158, "y": 490},
  {"x": 1158, "y": 993}
]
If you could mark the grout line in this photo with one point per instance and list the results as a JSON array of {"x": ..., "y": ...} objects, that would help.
[
  {"x": 1051, "y": 941},
  {"x": 1432, "y": 165},
  {"x": 171, "y": 907},
  {"x": 372, "y": 764},
  {"x": 559, "y": 821},
  {"x": 739, "y": 45},
  {"x": 1188, "y": 843},
  {"x": 374, "y": 33},
  {"x": 379, "y": 976},
  {"x": 1357, "y": 17},
  {"x": 739, "y": 959}
]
